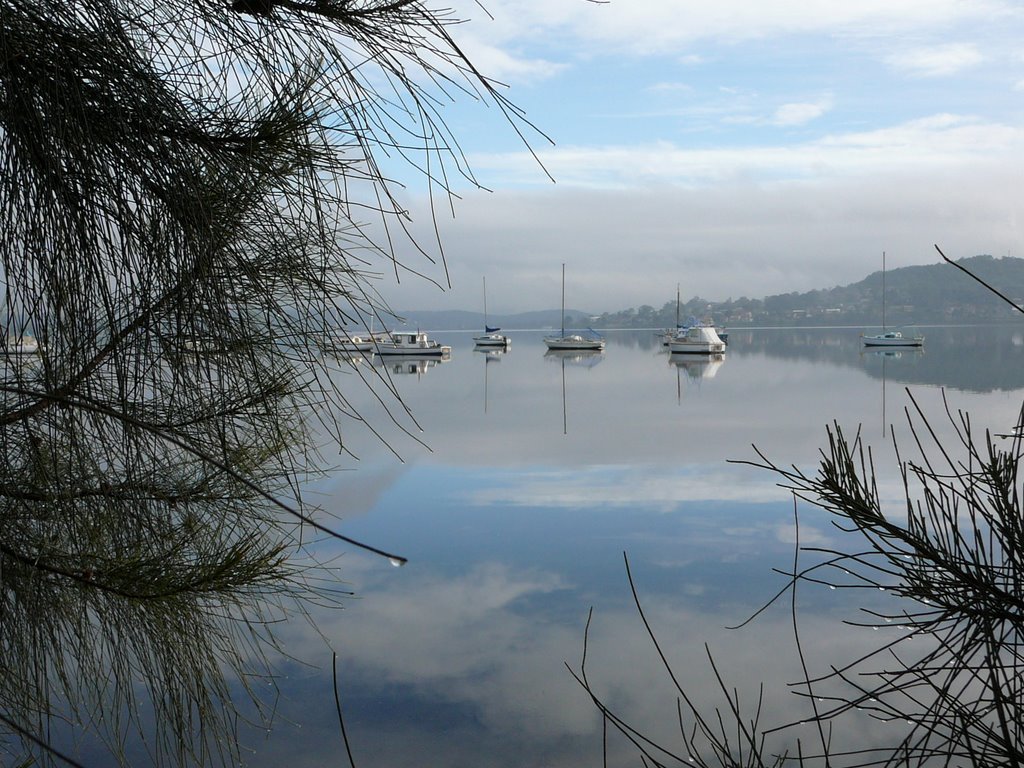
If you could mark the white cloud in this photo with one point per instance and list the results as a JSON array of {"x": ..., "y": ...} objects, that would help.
[
  {"x": 940, "y": 141},
  {"x": 801, "y": 113},
  {"x": 669, "y": 88},
  {"x": 740, "y": 222},
  {"x": 936, "y": 61},
  {"x": 504, "y": 65},
  {"x": 664, "y": 26}
]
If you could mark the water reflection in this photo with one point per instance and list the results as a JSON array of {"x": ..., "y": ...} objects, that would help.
[
  {"x": 581, "y": 358},
  {"x": 696, "y": 367},
  {"x": 513, "y": 536},
  {"x": 989, "y": 358},
  {"x": 408, "y": 366},
  {"x": 490, "y": 355}
]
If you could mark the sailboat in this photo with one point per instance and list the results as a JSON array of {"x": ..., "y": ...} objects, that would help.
[
  {"x": 670, "y": 333},
  {"x": 572, "y": 340},
  {"x": 889, "y": 338},
  {"x": 491, "y": 337},
  {"x": 685, "y": 335}
]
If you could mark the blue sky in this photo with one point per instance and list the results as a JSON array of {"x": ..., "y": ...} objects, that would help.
[{"x": 737, "y": 148}]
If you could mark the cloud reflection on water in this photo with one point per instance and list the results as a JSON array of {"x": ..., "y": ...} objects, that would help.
[
  {"x": 514, "y": 530},
  {"x": 477, "y": 676},
  {"x": 658, "y": 486}
]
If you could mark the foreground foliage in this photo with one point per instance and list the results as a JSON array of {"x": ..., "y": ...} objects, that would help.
[
  {"x": 192, "y": 209},
  {"x": 952, "y": 560}
]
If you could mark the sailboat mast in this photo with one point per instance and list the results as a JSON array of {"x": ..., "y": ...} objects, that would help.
[
  {"x": 563, "y": 299},
  {"x": 485, "y": 304},
  {"x": 883, "y": 291}
]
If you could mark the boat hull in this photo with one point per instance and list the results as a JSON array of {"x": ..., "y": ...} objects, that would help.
[
  {"x": 697, "y": 340},
  {"x": 425, "y": 352},
  {"x": 353, "y": 347},
  {"x": 570, "y": 344},
  {"x": 411, "y": 345},
  {"x": 893, "y": 341},
  {"x": 709, "y": 348},
  {"x": 23, "y": 346},
  {"x": 493, "y": 340}
]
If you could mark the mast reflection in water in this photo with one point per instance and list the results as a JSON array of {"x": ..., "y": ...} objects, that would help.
[{"x": 458, "y": 659}]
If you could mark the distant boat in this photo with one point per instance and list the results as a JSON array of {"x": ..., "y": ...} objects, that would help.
[
  {"x": 572, "y": 340},
  {"x": 357, "y": 344},
  {"x": 892, "y": 339},
  {"x": 23, "y": 345},
  {"x": 491, "y": 337},
  {"x": 697, "y": 340},
  {"x": 889, "y": 338},
  {"x": 669, "y": 334},
  {"x": 411, "y": 344}
]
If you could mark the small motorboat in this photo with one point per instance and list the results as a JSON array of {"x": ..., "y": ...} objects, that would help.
[{"x": 416, "y": 344}]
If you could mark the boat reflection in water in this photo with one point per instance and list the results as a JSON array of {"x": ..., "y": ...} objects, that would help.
[
  {"x": 697, "y": 367},
  {"x": 885, "y": 355},
  {"x": 406, "y": 366},
  {"x": 515, "y": 532},
  {"x": 580, "y": 358},
  {"x": 490, "y": 355},
  {"x": 583, "y": 358}
]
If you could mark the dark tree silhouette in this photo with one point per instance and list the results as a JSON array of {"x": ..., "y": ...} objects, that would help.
[{"x": 194, "y": 204}]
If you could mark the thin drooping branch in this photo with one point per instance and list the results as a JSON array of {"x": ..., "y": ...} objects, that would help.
[
  {"x": 199, "y": 201},
  {"x": 977, "y": 279}
]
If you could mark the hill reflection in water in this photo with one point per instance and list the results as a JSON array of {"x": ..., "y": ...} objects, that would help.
[{"x": 515, "y": 513}]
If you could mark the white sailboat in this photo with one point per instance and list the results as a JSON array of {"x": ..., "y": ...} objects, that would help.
[
  {"x": 697, "y": 340},
  {"x": 491, "y": 337},
  {"x": 889, "y": 338},
  {"x": 572, "y": 340},
  {"x": 682, "y": 330}
]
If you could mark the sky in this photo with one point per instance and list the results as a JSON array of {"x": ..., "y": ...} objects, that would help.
[{"x": 735, "y": 148}]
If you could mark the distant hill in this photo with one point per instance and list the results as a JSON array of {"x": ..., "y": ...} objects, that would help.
[
  {"x": 931, "y": 294},
  {"x": 918, "y": 295}
]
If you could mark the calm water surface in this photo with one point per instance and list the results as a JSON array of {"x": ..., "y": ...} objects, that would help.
[{"x": 531, "y": 475}]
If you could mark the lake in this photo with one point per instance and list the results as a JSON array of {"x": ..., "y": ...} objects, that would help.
[{"x": 518, "y": 487}]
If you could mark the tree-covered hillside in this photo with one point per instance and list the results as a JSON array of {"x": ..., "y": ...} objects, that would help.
[{"x": 937, "y": 293}]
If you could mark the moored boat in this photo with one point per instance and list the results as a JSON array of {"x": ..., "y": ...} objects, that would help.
[
  {"x": 572, "y": 340},
  {"x": 23, "y": 345},
  {"x": 889, "y": 338},
  {"x": 697, "y": 340},
  {"x": 491, "y": 337},
  {"x": 413, "y": 344},
  {"x": 892, "y": 339},
  {"x": 357, "y": 344}
]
